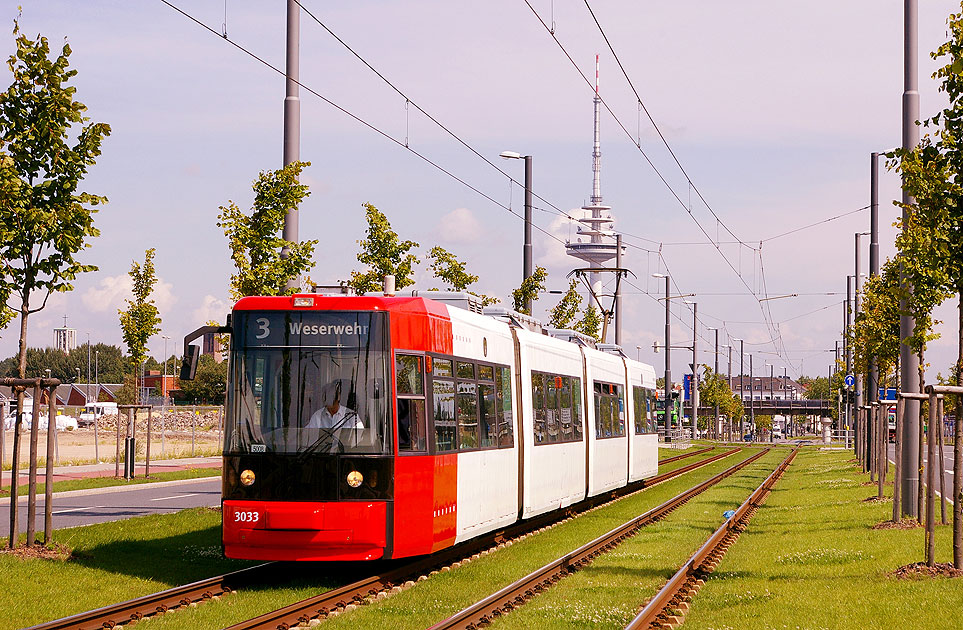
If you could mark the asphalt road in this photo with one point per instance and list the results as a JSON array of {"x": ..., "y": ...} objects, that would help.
[
  {"x": 947, "y": 466},
  {"x": 86, "y": 507}
]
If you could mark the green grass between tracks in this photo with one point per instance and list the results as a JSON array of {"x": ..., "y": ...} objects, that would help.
[
  {"x": 445, "y": 593},
  {"x": 112, "y": 562},
  {"x": 90, "y": 483},
  {"x": 125, "y": 559},
  {"x": 810, "y": 559}
]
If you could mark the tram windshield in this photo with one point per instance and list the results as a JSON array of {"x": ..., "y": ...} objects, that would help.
[{"x": 308, "y": 382}]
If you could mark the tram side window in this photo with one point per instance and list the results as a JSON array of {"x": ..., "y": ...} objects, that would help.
[
  {"x": 557, "y": 408},
  {"x": 487, "y": 416},
  {"x": 410, "y": 389},
  {"x": 538, "y": 401},
  {"x": 609, "y": 411},
  {"x": 565, "y": 410},
  {"x": 503, "y": 402},
  {"x": 467, "y": 412},
  {"x": 577, "y": 409},
  {"x": 551, "y": 408},
  {"x": 643, "y": 405},
  {"x": 444, "y": 413}
]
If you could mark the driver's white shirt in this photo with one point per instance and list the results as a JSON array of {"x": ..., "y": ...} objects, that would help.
[{"x": 343, "y": 418}]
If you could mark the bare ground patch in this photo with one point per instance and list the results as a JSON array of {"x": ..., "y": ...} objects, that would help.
[
  {"x": 919, "y": 570},
  {"x": 906, "y": 523}
]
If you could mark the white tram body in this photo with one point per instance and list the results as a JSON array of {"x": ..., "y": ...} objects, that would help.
[{"x": 461, "y": 423}]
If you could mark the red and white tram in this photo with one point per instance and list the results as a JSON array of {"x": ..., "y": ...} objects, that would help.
[{"x": 360, "y": 428}]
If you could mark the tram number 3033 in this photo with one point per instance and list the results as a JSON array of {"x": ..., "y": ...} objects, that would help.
[{"x": 246, "y": 517}]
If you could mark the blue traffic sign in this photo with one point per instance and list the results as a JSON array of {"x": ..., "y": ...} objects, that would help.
[{"x": 850, "y": 380}]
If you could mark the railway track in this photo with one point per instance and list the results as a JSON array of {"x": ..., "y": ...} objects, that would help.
[
  {"x": 684, "y": 455},
  {"x": 395, "y": 577},
  {"x": 668, "y": 607},
  {"x": 159, "y": 603},
  {"x": 482, "y": 613}
]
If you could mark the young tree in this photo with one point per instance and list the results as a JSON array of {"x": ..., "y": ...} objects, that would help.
[
  {"x": 383, "y": 254},
  {"x": 47, "y": 146},
  {"x": 931, "y": 241},
  {"x": 564, "y": 314},
  {"x": 255, "y": 240},
  {"x": 591, "y": 322},
  {"x": 446, "y": 267},
  {"x": 529, "y": 290},
  {"x": 140, "y": 321}
]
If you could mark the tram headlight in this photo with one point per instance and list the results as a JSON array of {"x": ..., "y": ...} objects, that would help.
[
  {"x": 354, "y": 478},
  {"x": 247, "y": 478}
]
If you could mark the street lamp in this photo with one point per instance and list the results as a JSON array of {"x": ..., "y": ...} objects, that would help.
[
  {"x": 694, "y": 382},
  {"x": 668, "y": 354},
  {"x": 638, "y": 353},
  {"x": 715, "y": 419},
  {"x": 527, "y": 247}
]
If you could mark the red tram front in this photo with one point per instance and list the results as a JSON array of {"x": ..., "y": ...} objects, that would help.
[{"x": 321, "y": 394}]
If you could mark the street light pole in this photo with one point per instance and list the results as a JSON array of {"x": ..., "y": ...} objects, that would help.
[
  {"x": 164, "y": 381},
  {"x": 715, "y": 419},
  {"x": 694, "y": 381},
  {"x": 87, "y": 385},
  {"x": 527, "y": 246},
  {"x": 668, "y": 354},
  {"x": 752, "y": 407}
]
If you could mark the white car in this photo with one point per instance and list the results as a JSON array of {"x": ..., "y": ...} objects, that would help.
[{"x": 64, "y": 423}]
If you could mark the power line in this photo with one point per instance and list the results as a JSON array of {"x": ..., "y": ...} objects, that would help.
[{"x": 806, "y": 227}]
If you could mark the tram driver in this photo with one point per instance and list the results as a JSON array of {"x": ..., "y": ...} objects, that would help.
[{"x": 333, "y": 414}]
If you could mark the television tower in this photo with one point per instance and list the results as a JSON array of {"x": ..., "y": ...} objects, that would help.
[{"x": 599, "y": 246}]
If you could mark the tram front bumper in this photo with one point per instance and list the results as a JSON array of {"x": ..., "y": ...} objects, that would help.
[{"x": 282, "y": 530}]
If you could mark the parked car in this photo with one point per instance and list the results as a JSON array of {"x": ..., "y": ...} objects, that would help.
[{"x": 748, "y": 437}]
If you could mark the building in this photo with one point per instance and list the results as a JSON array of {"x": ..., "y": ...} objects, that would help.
[
  {"x": 65, "y": 339},
  {"x": 766, "y": 388}
]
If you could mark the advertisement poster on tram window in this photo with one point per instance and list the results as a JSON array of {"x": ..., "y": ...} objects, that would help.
[{"x": 307, "y": 329}]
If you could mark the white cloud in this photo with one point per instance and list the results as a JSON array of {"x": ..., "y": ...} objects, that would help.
[
  {"x": 459, "y": 226},
  {"x": 110, "y": 293},
  {"x": 211, "y": 309}
]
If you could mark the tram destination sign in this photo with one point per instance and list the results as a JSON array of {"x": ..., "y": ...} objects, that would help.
[{"x": 259, "y": 329}]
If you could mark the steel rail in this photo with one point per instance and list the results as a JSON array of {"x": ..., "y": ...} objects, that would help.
[
  {"x": 156, "y": 603},
  {"x": 490, "y": 608},
  {"x": 356, "y": 593},
  {"x": 684, "y": 455},
  {"x": 662, "y": 610}
]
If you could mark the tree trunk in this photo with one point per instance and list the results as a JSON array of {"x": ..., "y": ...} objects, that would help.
[
  {"x": 920, "y": 487},
  {"x": 897, "y": 486},
  {"x": 931, "y": 484},
  {"x": 942, "y": 475},
  {"x": 958, "y": 449},
  {"x": 17, "y": 427}
]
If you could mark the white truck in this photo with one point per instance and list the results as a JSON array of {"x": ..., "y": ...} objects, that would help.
[{"x": 93, "y": 411}]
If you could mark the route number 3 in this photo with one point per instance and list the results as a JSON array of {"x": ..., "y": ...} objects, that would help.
[
  {"x": 263, "y": 330},
  {"x": 246, "y": 517}
]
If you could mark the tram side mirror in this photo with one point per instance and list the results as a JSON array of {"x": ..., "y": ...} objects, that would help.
[{"x": 189, "y": 363}]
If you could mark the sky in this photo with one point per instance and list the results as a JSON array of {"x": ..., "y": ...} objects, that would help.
[{"x": 772, "y": 110}]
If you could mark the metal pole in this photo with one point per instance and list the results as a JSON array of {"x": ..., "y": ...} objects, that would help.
[
  {"x": 715, "y": 418},
  {"x": 48, "y": 470},
  {"x": 742, "y": 386},
  {"x": 850, "y": 407},
  {"x": 96, "y": 400},
  {"x": 618, "y": 291},
  {"x": 752, "y": 407},
  {"x": 909, "y": 361},
  {"x": 870, "y": 426},
  {"x": 729, "y": 379},
  {"x": 772, "y": 398},
  {"x": 527, "y": 247},
  {"x": 292, "y": 119},
  {"x": 668, "y": 360},
  {"x": 694, "y": 383},
  {"x": 873, "y": 385},
  {"x": 87, "y": 385}
]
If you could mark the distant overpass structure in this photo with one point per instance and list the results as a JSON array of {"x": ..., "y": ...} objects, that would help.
[{"x": 781, "y": 408}]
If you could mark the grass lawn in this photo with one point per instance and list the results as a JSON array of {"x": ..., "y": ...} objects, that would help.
[
  {"x": 106, "y": 482},
  {"x": 445, "y": 593},
  {"x": 112, "y": 562},
  {"x": 810, "y": 559}
]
